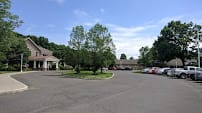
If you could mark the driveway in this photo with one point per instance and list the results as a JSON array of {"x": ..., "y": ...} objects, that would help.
[{"x": 125, "y": 93}]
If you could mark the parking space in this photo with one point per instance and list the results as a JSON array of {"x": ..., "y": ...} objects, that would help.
[{"x": 173, "y": 74}]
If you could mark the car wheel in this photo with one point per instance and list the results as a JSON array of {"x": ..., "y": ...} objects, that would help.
[
  {"x": 193, "y": 77},
  {"x": 178, "y": 76},
  {"x": 183, "y": 76}
]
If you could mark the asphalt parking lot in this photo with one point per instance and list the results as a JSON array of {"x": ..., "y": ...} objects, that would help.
[{"x": 127, "y": 92}]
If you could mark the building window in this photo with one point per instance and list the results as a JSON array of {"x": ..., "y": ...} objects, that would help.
[{"x": 36, "y": 53}]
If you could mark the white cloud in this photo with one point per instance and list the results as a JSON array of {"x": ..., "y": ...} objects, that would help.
[
  {"x": 129, "y": 40},
  {"x": 195, "y": 18},
  {"x": 80, "y": 13},
  {"x": 131, "y": 46},
  {"x": 169, "y": 19},
  {"x": 88, "y": 24}
]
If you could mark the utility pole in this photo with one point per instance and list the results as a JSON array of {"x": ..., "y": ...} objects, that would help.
[
  {"x": 199, "y": 54},
  {"x": 21, "y": 62},
  {"x": 144, "y": 56},
  {"x": 176, "y": 62}
]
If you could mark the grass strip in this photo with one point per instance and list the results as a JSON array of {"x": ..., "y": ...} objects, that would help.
[{"x": 88, "y": 75}]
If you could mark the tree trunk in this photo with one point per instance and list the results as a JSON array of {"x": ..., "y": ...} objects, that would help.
[
  {"x": 183, "y": 61},
  {"x": 94, "y": 71},
  {"x": 101, "y": 70}
]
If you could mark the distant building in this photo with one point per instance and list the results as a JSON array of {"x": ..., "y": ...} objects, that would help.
[
  {"x": 41, "y": 58},
  {"x": 175, "y": 63},
  {"x": 178, "y": 62},
  {"x": 127, "y": 63}
]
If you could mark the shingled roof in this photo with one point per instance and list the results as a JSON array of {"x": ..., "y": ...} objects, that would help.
[
  {"x": 43, "y": 50},
  {"x": 174, "y": 62},
  {"x": 126, "y": 62}
]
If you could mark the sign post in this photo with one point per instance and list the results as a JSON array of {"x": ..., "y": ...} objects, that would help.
[{"x": 21, "y": 62}]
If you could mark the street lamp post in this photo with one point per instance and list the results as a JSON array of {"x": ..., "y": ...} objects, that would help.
[
  {"x": 21, "y": 62},
  {"x": 176, "y": 62},
  {"x": 198, "y": 49}
]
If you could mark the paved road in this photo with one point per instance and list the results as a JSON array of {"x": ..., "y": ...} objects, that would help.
[{"x": 125, "y": 93}]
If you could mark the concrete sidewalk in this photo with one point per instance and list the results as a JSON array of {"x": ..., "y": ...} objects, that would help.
[{"x": 10, "y": 85}]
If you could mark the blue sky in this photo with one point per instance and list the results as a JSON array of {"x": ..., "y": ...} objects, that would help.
[{"x": 132, "y": 23}]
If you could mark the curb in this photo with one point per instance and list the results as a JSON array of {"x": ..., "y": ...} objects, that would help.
[
  {"x": 15, "y": 85},
  {"x": 16, "y": 90},
  {"x": 110, "y": 77}
]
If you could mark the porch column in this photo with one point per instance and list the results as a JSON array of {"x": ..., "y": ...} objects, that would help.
[
  {"x": 45, "y": 65},
  {"x": 34, "y": 65},
  {"x": 48, "y": 65},
  {"x": 39, "y": 64},
  {"x": 56, "y": 65}
]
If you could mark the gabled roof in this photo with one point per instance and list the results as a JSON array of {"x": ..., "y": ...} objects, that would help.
[{"x": 43, "y": 50}]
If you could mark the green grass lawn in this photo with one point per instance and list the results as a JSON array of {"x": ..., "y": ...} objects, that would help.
[
  {"x": 88, "y": 75},
  {"x": 137, "y": 71}
]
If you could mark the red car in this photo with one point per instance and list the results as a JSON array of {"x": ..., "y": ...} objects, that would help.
[{"x": 153, "y": 70}]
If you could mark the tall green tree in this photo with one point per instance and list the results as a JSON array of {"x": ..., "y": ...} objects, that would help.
[
  {"x": 123, "y": 56},
  {"x": 131, "y": 58},
  {"x": 99, "y": 43},
  {"x": 70, "y": 57},
  {"x": 174, "y": 41},
  {"x": 145, "y": 57},
  {"x": 8, "y": 21},
  {"x": 12, "y": 48},
  {"x": 43, "y": 42},
  {"x": 196, "y": 34},
  {"x": 10, "y": 44},
  {"x": 77, "y": 40}
]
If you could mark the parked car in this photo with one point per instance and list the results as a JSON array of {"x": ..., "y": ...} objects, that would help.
[
  {"x": 120, "y": 68},
  {"x": 112, "y": 68},
  {"x": 146, "y": 70},
  {"x": 162, "y": 71},
  {"x": 186, "y": 72},
  {"x": 124, "y": 68},
  {"x": 166, "y": 71},
  {"x": 196, "y": 76},
  {"x": 128, "y": 68},
  {"x": 153, "y": 70},
  {"x": 171, "y": 72},
  {"x": 179, "y": 72},
  {"x": 105, "y": 69}
]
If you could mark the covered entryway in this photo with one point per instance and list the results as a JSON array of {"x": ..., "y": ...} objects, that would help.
[{"x": 43, "y": 63}]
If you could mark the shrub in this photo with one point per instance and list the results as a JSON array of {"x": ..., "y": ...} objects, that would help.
[
  {"x": 3, "y": 67},
  {"x": 67, "y": 67}
]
